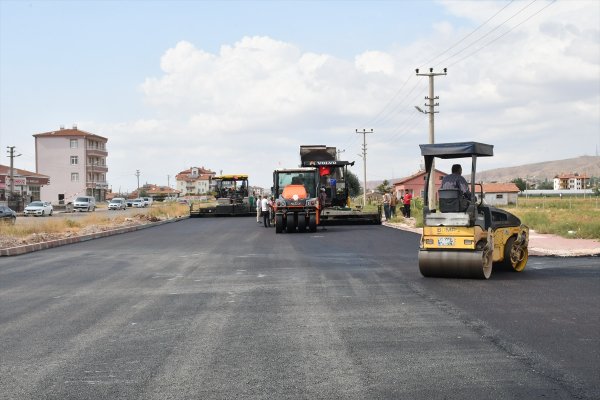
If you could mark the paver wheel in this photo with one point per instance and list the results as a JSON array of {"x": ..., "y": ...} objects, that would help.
[
  {"x": 278, "y": 223},
  {"x": 290, "y": 225},
  {"x": 312, "y": 222}
]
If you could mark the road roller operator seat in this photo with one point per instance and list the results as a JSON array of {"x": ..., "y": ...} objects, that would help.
[{"x": 452, "y": 200}]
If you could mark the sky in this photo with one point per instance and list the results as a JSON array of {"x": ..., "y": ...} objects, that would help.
[{"x": 238, "y": 86}]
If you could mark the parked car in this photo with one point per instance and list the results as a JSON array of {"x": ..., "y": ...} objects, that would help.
[
  {"x": 147, "y": 201},
  {"x": 139, "y": 203},
  {"x": 7, "y": 215},
  {"x": 38, "y": 208},
  {"x": 84, "y": 203},
  {"x": 118, "y": 203}
]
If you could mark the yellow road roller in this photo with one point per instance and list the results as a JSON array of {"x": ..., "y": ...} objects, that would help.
[{"x": 465, "y": 237}]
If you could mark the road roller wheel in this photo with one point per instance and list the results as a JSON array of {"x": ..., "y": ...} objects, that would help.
[
  {"x": 515, "y": 256},
  {"x": 301, "y": 223},
  {"x": 278, "y": 223},
  {"x": 290, "y": 225},
  {"x": 312, "y": 222},
  {"x": 471, "y": 264}
]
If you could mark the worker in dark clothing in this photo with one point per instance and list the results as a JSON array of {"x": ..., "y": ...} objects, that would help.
[
  {"x": 456, "y": 181},
  {"x": 322, "y": 201}
]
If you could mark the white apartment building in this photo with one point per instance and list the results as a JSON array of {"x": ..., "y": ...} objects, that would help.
[
  {"x": 75, "y": 161},
  {"x": 570, "y": 182},
  {"x": 194, "y": 180}
]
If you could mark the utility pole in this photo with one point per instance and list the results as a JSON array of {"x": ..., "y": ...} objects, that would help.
[
  {"x": 137, "y": 174},
  {"x": 338, "y": 152},
  {"x": 11, "y": 155},
  {"x": 431, "y": 112},
  {"x": 364, "y": 156},
  {"x": 169, "y": 181}
]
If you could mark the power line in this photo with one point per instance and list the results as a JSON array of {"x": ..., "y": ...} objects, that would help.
[
  {"x": 504, "y": 34},
  {"x": 487, "y": 34},
  {"x": 468, "y": 35}
]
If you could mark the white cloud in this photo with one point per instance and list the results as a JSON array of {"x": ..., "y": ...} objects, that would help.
[
  {"x": 375, "y": 61},
  {"x": 248, "y": 107}
]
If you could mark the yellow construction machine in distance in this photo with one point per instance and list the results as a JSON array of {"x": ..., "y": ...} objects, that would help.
[{"x": 464, "y": 238}]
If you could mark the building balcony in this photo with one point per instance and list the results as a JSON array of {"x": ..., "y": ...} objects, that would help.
[
  {"x": 96, "y": 168},
  {"x": 96, "y": 152}
]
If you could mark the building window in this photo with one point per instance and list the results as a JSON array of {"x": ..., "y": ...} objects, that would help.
[
  {"x": 499, "y": 196},
  {"x": 74, "y": 176},
  {"x": 74, "y": 143},
  {"x": 74, "y": 160}
]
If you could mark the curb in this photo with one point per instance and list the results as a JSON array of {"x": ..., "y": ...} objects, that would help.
[{"x": 28, "y": 248}]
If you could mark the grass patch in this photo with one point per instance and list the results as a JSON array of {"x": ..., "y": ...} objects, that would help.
[
  {"x": 572, "y": 218},
  {"x": 567, "y": 217},
  {"x": 102, "y": 219}
]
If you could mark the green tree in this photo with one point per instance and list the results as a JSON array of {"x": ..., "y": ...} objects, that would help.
[
  {"x": 353, "y": 183},
  {"x": 384, "y": 187},
  {"x": 520, "y": 183},
  {"x": 546, "y": 185}
]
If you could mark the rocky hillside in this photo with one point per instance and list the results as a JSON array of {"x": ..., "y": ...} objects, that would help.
[{"x": 588, "y": 165}]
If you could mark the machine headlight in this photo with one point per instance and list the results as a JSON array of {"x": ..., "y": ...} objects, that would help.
[{"x": 280, "y": 203}]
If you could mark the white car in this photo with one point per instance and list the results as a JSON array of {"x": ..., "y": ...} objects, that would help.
[
  {"x": 118, "y": 203},
  {"x": 147, "y": 201},
  {"x": 139, "y": 203},
  {"x": 38, "y": 208}
]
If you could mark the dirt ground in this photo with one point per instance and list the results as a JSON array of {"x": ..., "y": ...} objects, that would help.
[{"x": 133, "y": 220}]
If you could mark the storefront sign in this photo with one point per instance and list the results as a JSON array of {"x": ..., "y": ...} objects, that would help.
[{"x": 17, "y": 181}]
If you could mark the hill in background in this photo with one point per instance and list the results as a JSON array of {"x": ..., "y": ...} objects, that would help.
[
  {"x": 539, "y": 172},
  {"x": 588, "y": 165}
]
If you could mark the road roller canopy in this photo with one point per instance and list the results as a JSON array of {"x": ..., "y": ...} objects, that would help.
[{"x": 457, "y": 150}]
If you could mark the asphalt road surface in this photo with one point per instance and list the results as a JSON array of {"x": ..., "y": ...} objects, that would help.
[{"x": 226, "y": 309}]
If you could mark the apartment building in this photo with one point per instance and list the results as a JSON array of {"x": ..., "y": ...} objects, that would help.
[
  {"x": 75, "y": 161},
  {"x": 194, "y": 180},
  {"x": 570, "y": 181}
]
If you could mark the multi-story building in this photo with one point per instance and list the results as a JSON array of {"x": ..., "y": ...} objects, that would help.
[
  {"x": 194, "y": 180},
  {"x": 75, "y": 160},
  {"x": 25, "y": 183},
  {"x": 570, "y": 181}
]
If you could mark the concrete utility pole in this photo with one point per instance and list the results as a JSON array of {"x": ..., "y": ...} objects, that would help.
[
  {"x": 169, "y": 181},
  {"x": 137, "y": 174},
  {"x": 431, "y": 112},
  {"x": 364, "y": 156},
  {"x": 11, "y": 155}
]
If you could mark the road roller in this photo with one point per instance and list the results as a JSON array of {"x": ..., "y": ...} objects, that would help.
[{"x": 464, "y": 237}]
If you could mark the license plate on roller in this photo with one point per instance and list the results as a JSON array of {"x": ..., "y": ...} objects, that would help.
[{"x": 445, "y": 241}]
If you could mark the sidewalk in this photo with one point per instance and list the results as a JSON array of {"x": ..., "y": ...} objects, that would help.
[{"x": 539, "y": 244}]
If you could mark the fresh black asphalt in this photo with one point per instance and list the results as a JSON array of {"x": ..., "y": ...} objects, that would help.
[{"x": 226, "y": 309}]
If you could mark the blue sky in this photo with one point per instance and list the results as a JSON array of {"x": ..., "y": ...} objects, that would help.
[{"x": 238, "y": 86}]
